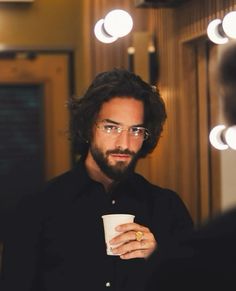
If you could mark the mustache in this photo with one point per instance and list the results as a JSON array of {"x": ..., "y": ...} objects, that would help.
[{"x": 119, "y": 151}]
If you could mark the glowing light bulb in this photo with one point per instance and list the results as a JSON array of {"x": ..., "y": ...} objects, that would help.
[
  {"x": 118, "y": 23},
  {"x": 216, "y": 137},
  {"x": 229, "y": 24},
  {"x": 230, "y": 137},
  {"x": 101, "y": 34},
  {"x": 213, "y": 32}
]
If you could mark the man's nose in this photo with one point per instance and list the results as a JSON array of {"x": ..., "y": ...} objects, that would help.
[{"x": 123, "y": 140}]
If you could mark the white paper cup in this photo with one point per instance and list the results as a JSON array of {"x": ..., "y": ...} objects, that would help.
[{"x": 110, "y": 222}]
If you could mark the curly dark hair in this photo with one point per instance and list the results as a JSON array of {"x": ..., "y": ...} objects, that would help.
[{"x": 105, "y": 86}]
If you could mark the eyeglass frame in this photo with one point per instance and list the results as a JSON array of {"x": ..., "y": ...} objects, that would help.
[{"x": 120, "y": 129}]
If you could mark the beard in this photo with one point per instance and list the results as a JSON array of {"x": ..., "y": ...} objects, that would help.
[{"x": 117, "y": 171}]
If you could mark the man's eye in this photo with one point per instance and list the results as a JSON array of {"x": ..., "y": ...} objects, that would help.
[
  {"x": 136, "y": 130},
  {"x": 110, "y": 128}
]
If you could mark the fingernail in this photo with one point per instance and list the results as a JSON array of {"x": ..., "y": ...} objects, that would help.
[{"x": 118, "y": 228}]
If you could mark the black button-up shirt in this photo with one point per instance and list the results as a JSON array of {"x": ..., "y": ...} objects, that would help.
[{"x": 57, "y": 239}]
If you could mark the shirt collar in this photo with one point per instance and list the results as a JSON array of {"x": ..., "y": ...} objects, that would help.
[{"x": 84, "y": 178}]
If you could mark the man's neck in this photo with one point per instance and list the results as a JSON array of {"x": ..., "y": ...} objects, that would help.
[{"x": 96, "y": 174}]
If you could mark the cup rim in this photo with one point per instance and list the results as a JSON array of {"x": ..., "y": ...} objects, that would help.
[{"x": 118, "y": 214}]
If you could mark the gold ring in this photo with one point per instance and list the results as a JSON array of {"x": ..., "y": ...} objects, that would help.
[{"x": 138, "y": 235}]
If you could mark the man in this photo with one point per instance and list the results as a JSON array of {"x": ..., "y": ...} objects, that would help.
[
  {"x": 206, "y": 260},
  {"x": 60, "y": 240}
]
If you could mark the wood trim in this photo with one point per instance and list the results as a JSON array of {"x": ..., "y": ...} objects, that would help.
[
  {"x": 215, "y": 172},
  {"x": 188, "y": 131},
  {"x": 203, "y": 128},
  {"x": 52, "y": 72}
]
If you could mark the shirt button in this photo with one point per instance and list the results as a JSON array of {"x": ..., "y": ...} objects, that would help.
[
  {"x": 113, "y": 202},
  {"x": 108, "y": 284}
]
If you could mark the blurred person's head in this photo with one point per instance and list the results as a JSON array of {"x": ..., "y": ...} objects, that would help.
[{"x": 227, "y": 77}]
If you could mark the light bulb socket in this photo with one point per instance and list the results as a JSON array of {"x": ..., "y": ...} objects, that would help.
[
  {"x": 221, "y": 30},
  {"x": 104, "y": 31},
  {"x": 222, "y": 136}
]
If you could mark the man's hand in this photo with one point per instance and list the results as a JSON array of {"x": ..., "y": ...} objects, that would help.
[{"x": 135, "y": 241}]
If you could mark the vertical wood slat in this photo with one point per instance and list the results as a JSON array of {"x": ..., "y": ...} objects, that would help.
[
  {"x": 203, "y": 127},
  {"x": 188, "y": 156},
  {"x": 168, "y": 64},
  {"x": 214, "y": 103},
  {"x": 141, "y": 42}
]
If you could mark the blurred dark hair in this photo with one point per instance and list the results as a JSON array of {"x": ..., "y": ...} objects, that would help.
[
  {"x": 227, "y": 77},
  {"x": 105, "y": 86}
]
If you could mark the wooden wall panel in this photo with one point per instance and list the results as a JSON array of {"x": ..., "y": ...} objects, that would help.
[
  {"x": 193, "y": 17},
  {"x": 100, "y": 56},
  {"x": 189, "y": 23},
  {"x": 215, "y": 108},
  {"x": 203, "y": 132}
]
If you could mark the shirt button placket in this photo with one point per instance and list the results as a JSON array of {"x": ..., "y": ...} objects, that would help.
[{"x": 113, "y": 202}]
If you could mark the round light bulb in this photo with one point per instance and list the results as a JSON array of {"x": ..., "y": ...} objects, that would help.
[
  {"x": 214, "y": 34},
  {"x": 215, "y": 137},
  {"x": 229, "y": 24},
  {"x": 230, "y": 137},
  {"x": 101, "y": 35},
  {"x": 118, "y": 23},
  {"x": 131, "y": 50}
]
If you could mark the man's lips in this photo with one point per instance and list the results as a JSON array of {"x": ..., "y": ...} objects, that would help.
[
  {"x": 124, "y": 155},
  {"x": 121, "y": 156}
]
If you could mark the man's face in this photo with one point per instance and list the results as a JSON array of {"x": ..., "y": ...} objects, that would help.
[{"x": 115, "y": 153}]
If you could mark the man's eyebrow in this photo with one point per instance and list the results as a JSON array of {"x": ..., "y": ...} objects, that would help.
[
  {"x": 118, "y": 123},
  {"x": 110, "y": 121}
]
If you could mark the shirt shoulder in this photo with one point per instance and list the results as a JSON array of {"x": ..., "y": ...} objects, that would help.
[
  {"x": 166, "y": 201},
  {"x": 153, "y": 189},
  {"x": 55, "y": 193},
  {"x": 68, "y": 182}
]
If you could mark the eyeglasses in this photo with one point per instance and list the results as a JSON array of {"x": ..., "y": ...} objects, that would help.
[{"x": 114, "y": 130}]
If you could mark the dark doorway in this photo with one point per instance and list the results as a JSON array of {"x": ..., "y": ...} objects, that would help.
[{"x": 21, "y": 142}]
